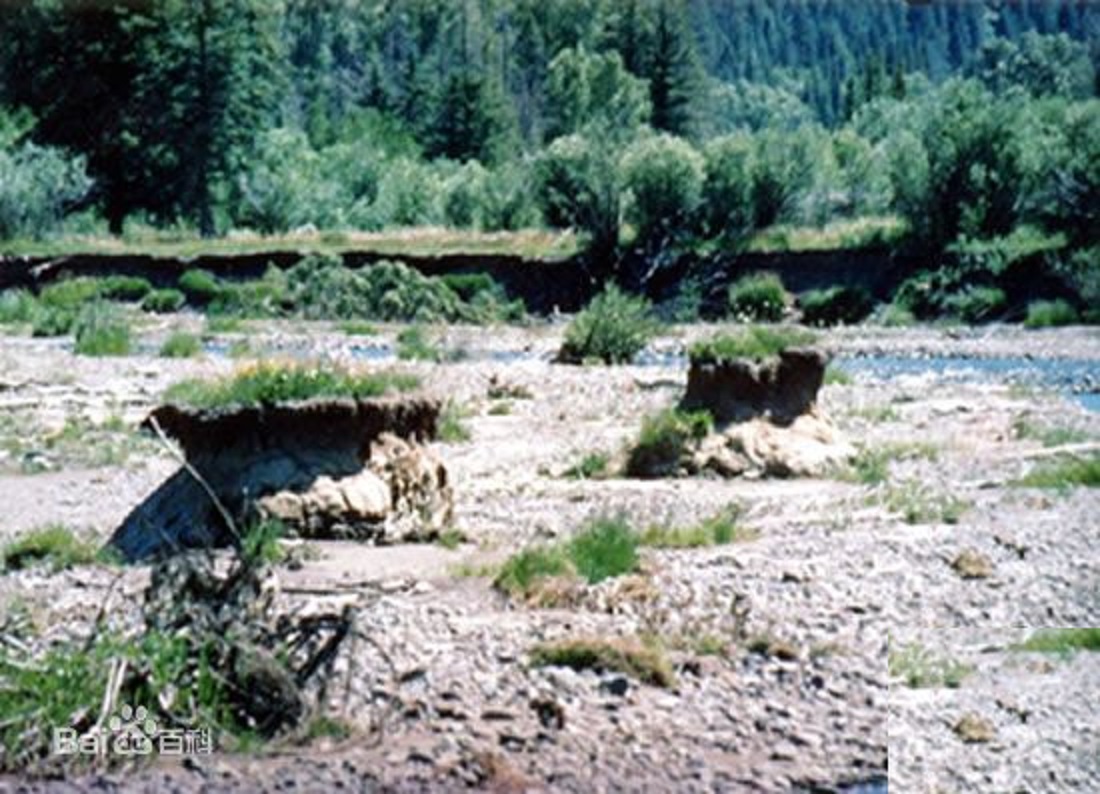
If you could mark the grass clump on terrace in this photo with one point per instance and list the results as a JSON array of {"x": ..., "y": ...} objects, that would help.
[
  {"x": 755, "y": 342},
  {"x": 268, "y": 384},
  {"x": 628, "y": 656}
]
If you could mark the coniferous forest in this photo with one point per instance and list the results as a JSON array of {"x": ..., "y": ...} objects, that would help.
[{"x": 965, "y": 130}]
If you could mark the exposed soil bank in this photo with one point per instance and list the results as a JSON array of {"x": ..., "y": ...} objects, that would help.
[{"x": 544, "y": 285}]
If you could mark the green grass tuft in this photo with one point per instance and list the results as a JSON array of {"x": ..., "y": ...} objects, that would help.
[
  {"x": 592, "y": 466},
  {"x": 451, "y": 428},
  {"x": 871, "y": 465},
  {"x": 919, "y": 669},
  {"x": 627, "y": 656},
  {"x": 1062, "y": 641},
  {"x": 755, "y": 342},
  {"x": 260, "y": 542},
  {"x": 101, "y": 330},
  {"x": 181, "y": 345},
  {"x": 267, "y": 384},
  {"x": 606, "y": 548},
  {"x": 55, "y": 546},
  {"x": 718, "y": 530},
  {"x": 358, "y": 328},
  {"x": 1064, "y": 474},
  {"x": 519, "y": 575},
  {"x": 413, "y": 344},
  {"x": 663, "y": 440}
]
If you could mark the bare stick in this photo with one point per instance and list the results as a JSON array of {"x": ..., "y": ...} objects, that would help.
[
  {"x": 110, "y": 695},
  {"x": 198, "y": 477}
]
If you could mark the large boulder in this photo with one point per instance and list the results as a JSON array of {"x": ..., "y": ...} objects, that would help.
[{"x": 326, "y": 468}]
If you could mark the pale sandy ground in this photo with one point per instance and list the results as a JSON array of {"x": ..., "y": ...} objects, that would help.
[{"x": 832, "y": 574}]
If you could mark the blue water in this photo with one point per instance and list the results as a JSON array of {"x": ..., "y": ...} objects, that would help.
[
  {"x": 1078, "y": 378},
  {"x": 870, "y": 787}
]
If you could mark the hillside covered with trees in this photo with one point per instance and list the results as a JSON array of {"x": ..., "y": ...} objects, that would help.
[{"x": 966, "y": 132}]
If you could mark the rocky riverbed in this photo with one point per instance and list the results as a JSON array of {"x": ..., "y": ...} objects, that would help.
[{"x": 792, "y": 646}]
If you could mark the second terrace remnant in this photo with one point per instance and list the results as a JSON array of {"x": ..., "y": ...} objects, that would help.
[{"x": 327, "y": 467}]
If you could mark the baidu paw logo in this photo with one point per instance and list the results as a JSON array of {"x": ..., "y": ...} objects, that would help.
[{"x": 132, "y": 731}]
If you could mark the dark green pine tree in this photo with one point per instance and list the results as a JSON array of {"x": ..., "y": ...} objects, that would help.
[
  {"x": 672, "y": 71},
  {"x": 80, "y": 94},
  {"x": 470, "y": 120},
  {"x": 209, "y": 76}
]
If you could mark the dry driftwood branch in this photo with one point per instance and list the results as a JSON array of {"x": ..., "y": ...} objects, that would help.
[{"x": 229, "y": 522}]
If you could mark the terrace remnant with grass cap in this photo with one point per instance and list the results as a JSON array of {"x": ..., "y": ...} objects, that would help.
[
  {"x": 758, "y": 390},
  {"x": 327, "y": 453}
]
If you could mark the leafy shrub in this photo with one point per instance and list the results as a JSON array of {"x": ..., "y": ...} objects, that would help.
[
  {"x": 468, "y": 285},
  {"x": 759, "y": 297},
  {"x": 976, "y": 304},
  {"x": 892, "y": 315},
  {"x": 836, "y": 305},
  {"x": 101, "y": 330},
  {"x": 754, "y": 342},
  {"x": 613, "y": 328},
  {"x": 1047, "y": 314},
  {"x": 663, "y": 441},
  {"x": 40, "y": 185},
  {"x": 200, "y": 287},
  {"x": 71, "y": 293},
  {"x": 785, "y": 163},
  {"x": 17, "y": 306},
  {"x": 577, "y": 183},
  {"x": 181, "y": 345},
  {"x": 52, "y": 321},
  {"x": 462, "y": 196},
  {"x": 727, "y": 191},
  {"x": 321, "y": 287},
  {"x": 164, "y": 301},
  {"x": 664, "y": 175},
  {"x": 268, "y": 384},
  {"x": 408, "y": 195},
  {"x": 265, "y": 297},
  {"x": 508, "y": 202},
  {"x": 124, "y": 288}
]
